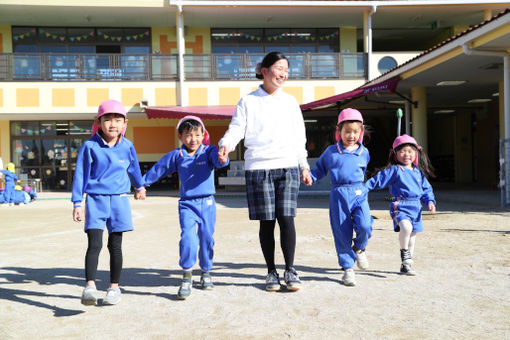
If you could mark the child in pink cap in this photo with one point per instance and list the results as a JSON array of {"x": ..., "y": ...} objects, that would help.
[
  {"x": 346, "y": 161},
  {"x": 194, "y": 161},
  {"x": 406, "y": 176},
  {"x": 106, "y": 169}
]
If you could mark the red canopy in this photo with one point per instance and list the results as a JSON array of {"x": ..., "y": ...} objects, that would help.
[
  {"x": 388, "y": 85},
  {"x": 203, "y": 112}
]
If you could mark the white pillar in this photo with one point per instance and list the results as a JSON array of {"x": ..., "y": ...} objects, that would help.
[{"x": 181, "y": 91}]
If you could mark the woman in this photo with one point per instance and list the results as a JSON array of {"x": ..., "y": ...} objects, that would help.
[{"x": 271, "y": 123}]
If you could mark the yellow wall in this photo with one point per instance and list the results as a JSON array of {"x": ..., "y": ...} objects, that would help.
[
  {"x": 5, "y": 39},
  {"x": 197, "y": 40},
  {"x": 5, "y": 152},
  {"x": 348, "y": 39}
]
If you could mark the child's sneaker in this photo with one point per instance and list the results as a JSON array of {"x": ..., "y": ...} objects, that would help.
[
  {"x": 89, "y": 296},
  {"x": 272, "y": 281},
  {"x": 112, "y": 296},
  {"x": 406, "y": 269},
  {"x": 292, "y": 279},
  {"x": 406, "y": 257},
  {"x": 349, "y": 278},
  {"x": 361, "y": 259},
  {"x": 185, "y": 288},
  {"x": 206, "y": 281}
]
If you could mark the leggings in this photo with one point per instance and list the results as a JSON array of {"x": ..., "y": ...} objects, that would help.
[
  {"x": 287, "y": 241},
  {"x": 95, "y": 243}
]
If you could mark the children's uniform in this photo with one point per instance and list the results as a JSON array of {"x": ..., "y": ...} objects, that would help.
[
  {"x": 197, "y": 205},
  {"x": 348, "y": 204},
  {"x": 106, "y": 175},
  {"x": 10, "y": 180},
  {"x": 408, "y": 188}
]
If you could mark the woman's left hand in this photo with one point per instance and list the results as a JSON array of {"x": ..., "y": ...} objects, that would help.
[{"x": 306, "y": 178}]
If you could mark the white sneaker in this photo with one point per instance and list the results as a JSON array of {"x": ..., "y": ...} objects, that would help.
[
  {"x": 349, "y": 278},
  {"x": 361, "y": 259},
  {"x": 112, "y": 296},
  {"x": 89, "y": 296}
]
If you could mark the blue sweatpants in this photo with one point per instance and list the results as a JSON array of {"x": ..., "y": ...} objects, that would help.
[
  {"x": 9, "y": 192},
  {"x": 197, "y": 217},
  {"x": 349, "y": 212}
]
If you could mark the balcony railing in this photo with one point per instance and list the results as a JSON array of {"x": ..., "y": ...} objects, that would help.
[{"x": 134, "y": 67}]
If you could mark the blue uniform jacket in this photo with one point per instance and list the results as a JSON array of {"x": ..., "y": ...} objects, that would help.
[
  {"x": 344, "y": 167},
  {"x": 10, "y": 178},
  {"x": 104, "y": 170},
  {"x": 196, "y": 172},
  {"x": 403, "y": 182}
]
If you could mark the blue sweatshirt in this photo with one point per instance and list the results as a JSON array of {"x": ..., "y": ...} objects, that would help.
[
  {"x": 104, "y": 170},
  {"x": 196, "y": 172},
  {"x": 403, "y": 182},
  {"x": 344, "y": 167},
  {"x": 10, "y": 178}
]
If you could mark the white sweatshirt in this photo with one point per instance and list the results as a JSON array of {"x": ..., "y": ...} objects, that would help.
[{"x": 273, "y": 130}]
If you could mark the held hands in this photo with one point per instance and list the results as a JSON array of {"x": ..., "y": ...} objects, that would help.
[
  {"x": 432, "y": 207},
  {"x": 223, "y": 154},
  {"x": 77, "y": 214},
  {"x": 140, "y": 193},
  {"x": 306, "y": 178}
]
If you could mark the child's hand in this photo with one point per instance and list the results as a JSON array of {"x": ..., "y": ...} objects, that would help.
[
  {"x": 140, "y": 194},
  {"x": 77, "y": 214},
  {"x": 432, "y": 207},
  {"x": 306, "y": 178}
]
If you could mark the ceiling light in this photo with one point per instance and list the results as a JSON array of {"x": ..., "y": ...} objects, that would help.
[
  {"x": 451, "y": 82},
  {"x": 310, "y": 120},
  {"x": 479, "y": 100},
  {"x": 397, "y": 102},
  {"x": 495, "y": 94},
  {"x": 444, "y": 111}
]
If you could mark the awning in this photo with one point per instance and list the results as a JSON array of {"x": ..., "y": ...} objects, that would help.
[
  {"x": 388, "y": 85},
  {"x": 203, "y": 112}
]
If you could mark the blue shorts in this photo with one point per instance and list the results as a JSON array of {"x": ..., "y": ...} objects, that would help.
[
  {"x": 272, "y": 193},
  {"x": 112, "y": 211},
  {"x": 406, "y": 209}
]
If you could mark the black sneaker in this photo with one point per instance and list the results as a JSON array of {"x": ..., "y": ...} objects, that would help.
[
  {"x": 292, "y": 279},
  {"x": 406, "y": 257},
  {"x": 272, "y": 281},
  {"x": 406, "y": 269},
  {"x": 206, "y": 281},
  {"x": 185, "y": 288}
]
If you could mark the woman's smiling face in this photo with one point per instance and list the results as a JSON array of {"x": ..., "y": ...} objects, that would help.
[{"x": 276, "y": 75}]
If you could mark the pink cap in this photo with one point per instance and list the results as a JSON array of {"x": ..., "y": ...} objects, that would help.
[
  {"x": 26, "y": 188},
  {"x": 109, "y": 106},
  {"x": 350, "y": 114},
  {"x": 406, "y": 139},
  {"x": 206, "y": 139}
]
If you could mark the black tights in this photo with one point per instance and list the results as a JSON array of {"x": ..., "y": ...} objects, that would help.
[
  {"x": 95, "y": 237},
  {"x": 287, "y": 241}
]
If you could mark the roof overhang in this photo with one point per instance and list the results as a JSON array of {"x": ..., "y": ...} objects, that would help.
[{"x": 178, "y": 112}]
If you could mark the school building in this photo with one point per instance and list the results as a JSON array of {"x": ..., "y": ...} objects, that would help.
[{"x": 443, "y": 63}]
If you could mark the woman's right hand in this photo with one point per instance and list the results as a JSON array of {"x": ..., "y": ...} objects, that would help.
[{"x": 223, "y": 154}]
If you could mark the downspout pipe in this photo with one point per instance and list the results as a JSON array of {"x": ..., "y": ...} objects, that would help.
[
  {"x": 180, "y": 56},
  {"x": 506, "y": 103}
]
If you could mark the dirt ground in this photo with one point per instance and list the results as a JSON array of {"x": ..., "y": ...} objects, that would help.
[{"x": 462, "y": 289}]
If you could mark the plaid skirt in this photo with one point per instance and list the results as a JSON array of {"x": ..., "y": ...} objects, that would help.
[{"x": 272, "y": 193}]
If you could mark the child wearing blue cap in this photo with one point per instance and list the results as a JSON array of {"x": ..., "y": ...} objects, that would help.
[
  {"x": 194, "y": 161},
  {"x": 106, "y": 168}
]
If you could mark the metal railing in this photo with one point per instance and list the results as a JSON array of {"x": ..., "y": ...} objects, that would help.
[{"x": 135, "y": 67}]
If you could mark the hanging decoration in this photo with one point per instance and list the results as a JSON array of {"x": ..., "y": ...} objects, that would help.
[{"x": 276, "y": 37}]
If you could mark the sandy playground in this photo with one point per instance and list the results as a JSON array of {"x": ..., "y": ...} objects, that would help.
[{"x": 462, "y": 289}]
